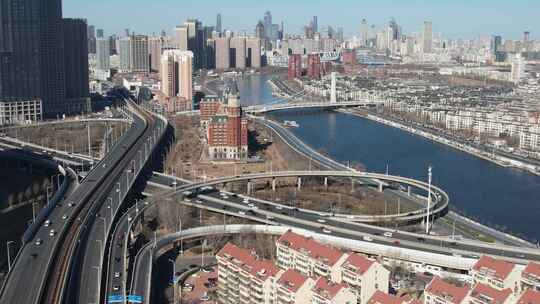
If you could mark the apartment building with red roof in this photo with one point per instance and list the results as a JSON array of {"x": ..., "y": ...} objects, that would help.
[
  {"x": 496, "y": 273},
  {"x": 380, "y": 297},
  {"x": 294, "y": 287},
  {"x": 485, "y": 294},
  {"x": 441, "y": 292},
  {"x": 328, "y": 292},
  {"x": 529, "y": 297},
  {"x": 530, "y": 277},
  {"x": 364, "y": 276}
]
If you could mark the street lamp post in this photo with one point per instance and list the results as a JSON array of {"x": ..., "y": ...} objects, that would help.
[
  {"x": 174, "y": 280},
  {"x": 429, "y": 199},
  {"x": 9, "y": 254}
]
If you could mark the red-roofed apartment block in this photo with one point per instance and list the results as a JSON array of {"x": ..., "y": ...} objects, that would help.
[
  {"x": 529, "y": 297},
  {"x": 440, "y": 292},
  {"x": 293, "y": 287},
  {"x": 326, "y": 292},
  {"x": 308, "y": 256},
  {"x": 496, "y": 273},
  {"x": 380, "y": 297},
  {"x": 364, "y": 276},
  {"x": 530, "y": 277},
  {"x": 243, "y": 278},
  {"x": 482, "y": 294}
]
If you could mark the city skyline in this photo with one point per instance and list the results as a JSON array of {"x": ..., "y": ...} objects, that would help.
[{"x": 479, "y": 18}]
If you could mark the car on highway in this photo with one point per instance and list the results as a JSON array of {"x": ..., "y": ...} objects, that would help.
[
  {"x": 47, "y": 223},
  {"x": 38, "y": 242},
  {"x": 252, "y": 206},
  {"x": 204, "y": 297},
  {"x": 64, "y": 217},
  {"x": 245, "y": 201},
  {"x": 396, "y": 242},
  {"x": 279, "y": 207},
  {"x": 321, "y": 220},
  {"x": 117, "y": 274},
  {"x": 71, "y": 204},
  {"x": 367, "y": 238},
  {"x": 241, "y": 212},
  {"x": 116, "y": 288},
  {"x": 388, "y": 234},
  {"x": 52, "y": 232},
  {"x": 207, "y": 269}
]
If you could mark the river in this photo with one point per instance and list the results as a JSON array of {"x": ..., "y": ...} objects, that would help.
[{"x": 501, "y": 197}]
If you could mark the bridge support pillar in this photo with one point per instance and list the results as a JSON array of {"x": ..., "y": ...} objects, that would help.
[
  {"x": 299, "y": 183},
  {"x": 274, "y": 184},
  {"x": 326, "y": 183},
  {"x": 409, "y": 190},
  {"x": 249, "y": 185},
  {"x": 380, "y": 187},
  {"x": 352, "y": 184}
]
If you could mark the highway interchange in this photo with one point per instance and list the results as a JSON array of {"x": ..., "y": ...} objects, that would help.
[{"x": 32, "y": 267}]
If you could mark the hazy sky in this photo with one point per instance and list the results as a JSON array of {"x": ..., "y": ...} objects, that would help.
[{"x": 453, "y": 18}]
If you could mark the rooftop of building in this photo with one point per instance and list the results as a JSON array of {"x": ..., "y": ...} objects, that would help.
[
  {"x": 324, "y": 253},
  {"x": 495, "y": 296},
  {"x": 248, "y": 261},
  {"x": 532, "y": 269},
  {"x": 327, "y": 289},
  {"x": 360, "y": 263},
  {"x": 453, "y": 293},
  {"x": 529, "y": 297},
  {"x": 495, "y": 267},
  {"x": 292, "y": 280},
  {"x": 380, "y": 297}
]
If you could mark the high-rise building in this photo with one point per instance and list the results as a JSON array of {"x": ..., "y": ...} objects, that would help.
[
  {"x": 315, "y": 24},
  {"x": 155, "y": 47},
  {"x": 518, "y": 68},
  {"x": 314, "y": 66},
  {"x": 139, "y": 54},
  {"x": 268, "y": 24},
  {"x": 113, "y": 45},
  {"x": 253, "y": 53},
  {"x": 222, "y": 53},
  {"x": 495, "y": 44},
  {"x": 210, "y": 53},
  {"x": 32, "y": 52},
  {"x": 77, "y": 97},
  {"x": 238, "y": 52},
  {"x": 295, "y": 66},
  {"x": 180, "y": 38},
  {"x": 364, "y": 33},
  {"x": 218, "y": 23},
  {"x": 526, "y": 41},
  {"x": 259, "y": 30},
  {"x": 103, "y": 54},
  {"x": 427, "y": 37},
  {"x": 176, "y": 74},
  {"x": 91, "y": 34},
  {"x": 99, "y": 33},
  {"x": 124, "y": 50},
  {"x": 195, "y": 41}
]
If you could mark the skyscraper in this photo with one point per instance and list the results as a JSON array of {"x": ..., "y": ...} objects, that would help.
[
  {"x": 253, "y": 52},
  {"x": 218, "y": 23},
  {"x": 238, "y": 52},
  {"x": 495, "y": 44},
  {"x": 176, "y": 74},
  {"x": 364, "y": 33},
  {"x": 268, "y": 24},
  {"x": 124, "y": 50},
  {"x": 315, "y": 24},
  {"x": 222, "y": 53},
  {"x": 518, "y": 68},
  {"x": 76, "y": 66},
  {"x": 91, "y": 34},
  {"x": 139, "y": 54},
  {"x": 99, "y": 33},
  {"x": 155, "y": 47},
  {"x": 259, "y": 30},
  {"x": 427, "y": 37},
  {"x": 195, "y": 41},
  {"x": 103, "y": 54},
  {"x": 180, "y": 38}
]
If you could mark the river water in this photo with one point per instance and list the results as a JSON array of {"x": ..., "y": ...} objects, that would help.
[{"x": 507, "y": 199}]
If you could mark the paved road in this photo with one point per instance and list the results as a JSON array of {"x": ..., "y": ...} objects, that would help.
[{"x": 27, "y": 278}]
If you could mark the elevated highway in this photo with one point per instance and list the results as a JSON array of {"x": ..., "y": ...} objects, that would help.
[
  {"x": 308, "y": 105},
  {"x": 42, "y": 267}
]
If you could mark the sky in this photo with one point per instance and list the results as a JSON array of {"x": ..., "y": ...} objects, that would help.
[{"x": 452, "y": 18}]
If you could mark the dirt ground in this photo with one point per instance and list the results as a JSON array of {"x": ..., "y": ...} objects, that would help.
[
  {"x": 186, "y": 160},
  {"x": 71, "y": 137}
]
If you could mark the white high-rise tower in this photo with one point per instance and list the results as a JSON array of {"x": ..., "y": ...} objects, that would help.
[{"x": 427, "y": 45}]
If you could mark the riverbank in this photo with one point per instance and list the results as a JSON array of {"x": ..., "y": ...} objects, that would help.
[{"x": 492, "y": 157}]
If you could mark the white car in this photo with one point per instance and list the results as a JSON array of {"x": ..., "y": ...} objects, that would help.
[
  {"x": 38, "y": 242},
  {"x": 321, "y": 221},
  {"x": 246, "y": 201},
  {"x": 47, "y": 223},
  {"x": 388, "y": 234},
  {"x": 117, "y": 274},
  {"x": 279, "y": 207},
  {"x": 64, "y": 216},
  {"x": 326, "y": 230},
  {"x": 367, "y": 238},
  {"x": 52, "y": 232},
  {"x": 241, "y": 213}
]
